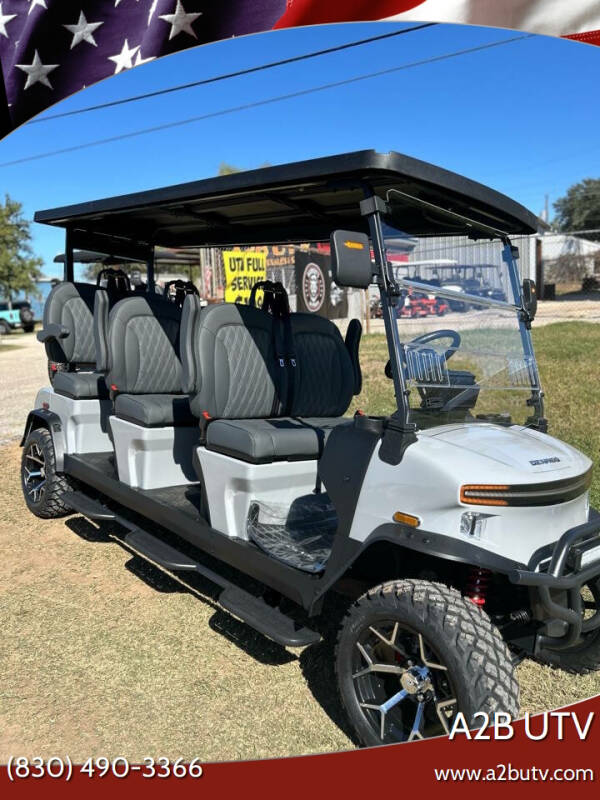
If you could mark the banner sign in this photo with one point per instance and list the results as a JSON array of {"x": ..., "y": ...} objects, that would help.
[
  {"x": 242, "y": 270},
  {"x": 316, "y": 292}
]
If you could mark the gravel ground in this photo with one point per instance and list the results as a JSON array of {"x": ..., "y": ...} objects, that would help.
[{"x": 23, "y": 365}]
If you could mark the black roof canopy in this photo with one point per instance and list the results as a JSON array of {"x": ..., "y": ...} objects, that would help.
[{"x": 298, "y": 202}]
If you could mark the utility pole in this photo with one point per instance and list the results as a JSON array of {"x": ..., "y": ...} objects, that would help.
[{"x": 546, "y": 208}]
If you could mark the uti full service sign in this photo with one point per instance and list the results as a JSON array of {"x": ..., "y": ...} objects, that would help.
[{"x": 243, "y": 268}]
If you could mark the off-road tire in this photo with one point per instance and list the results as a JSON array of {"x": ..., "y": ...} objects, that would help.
[
  {"x": 581, "y": 659},
  {"x": 4, "y": 327},
  {"x": 467, "y": 642},
  {"x": 53, "y": 502},
  {"x": 29, "y": 328}
]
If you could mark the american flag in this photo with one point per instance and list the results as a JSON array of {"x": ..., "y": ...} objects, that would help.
[{"x": 50, "y": 49}]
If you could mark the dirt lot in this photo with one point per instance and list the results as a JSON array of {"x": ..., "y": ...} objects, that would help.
[
  {"x": 23, "y": 363},
  {"x": 103, "y": 655}
]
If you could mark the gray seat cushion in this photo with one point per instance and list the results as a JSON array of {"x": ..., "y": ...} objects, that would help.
[
  {"x": 265, "y": 440},
  {"x": 155, "y": 410},
  {"x": 81, "y": 385}
]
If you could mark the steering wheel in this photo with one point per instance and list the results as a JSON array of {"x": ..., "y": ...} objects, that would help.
[{"x": 432, "y": 336}]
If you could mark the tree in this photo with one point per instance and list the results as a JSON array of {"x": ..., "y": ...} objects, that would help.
[
  {"x": 579, "y": 209},
  {"x": 230, "y": 169},
  {"x": 227, "y": 169},
  {"x": 90, "y": 272},
  {"x": 19, "y": 267}
]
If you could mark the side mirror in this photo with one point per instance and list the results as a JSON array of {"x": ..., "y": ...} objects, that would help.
[
  {"x": 351, "y": 259},
  {"x": 530, "y": 297}
]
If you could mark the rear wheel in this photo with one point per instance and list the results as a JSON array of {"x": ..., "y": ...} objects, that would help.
[
  {"x": 583, "y": 657},
  {"x": 45, "y": 491},
  {"x": 412, "y": 654},
  {"x": 29, "y": 328}
]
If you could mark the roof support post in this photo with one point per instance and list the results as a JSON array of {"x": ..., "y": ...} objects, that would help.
[
  {"x": 150, "y": 271},
  {"x": 372, "y": 208},
  {"x": 69, "y": 272}
]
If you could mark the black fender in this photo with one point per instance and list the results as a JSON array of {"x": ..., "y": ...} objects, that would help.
[
  {"x": 449, "y": 548},
  {"x": 42, "y": 418},
  {"x": 347, "y": 550}
]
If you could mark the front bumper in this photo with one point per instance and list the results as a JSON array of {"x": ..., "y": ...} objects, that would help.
[{"x": 558, "y": 584}]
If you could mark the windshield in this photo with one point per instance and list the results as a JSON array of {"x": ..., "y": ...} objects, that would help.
[{"x": 466, "y": 353}]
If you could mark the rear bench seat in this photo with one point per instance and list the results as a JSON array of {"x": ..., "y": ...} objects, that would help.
[{"x": 257, "y": 406}]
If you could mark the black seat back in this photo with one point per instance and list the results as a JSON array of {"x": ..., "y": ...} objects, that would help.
[
  {"x": 324, "y": 375},
  {"x": 143, "y": 346},
  {"x": 72, "y": 306},
  {"x": 352, "y": 341}
]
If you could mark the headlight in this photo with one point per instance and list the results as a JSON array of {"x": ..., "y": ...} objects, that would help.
[{"x": 528, "y": 494}]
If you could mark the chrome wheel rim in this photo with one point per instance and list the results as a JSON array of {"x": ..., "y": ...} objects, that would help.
[
  {"x": 403, "y": 689},
  {"x": 34, "y": 473}
]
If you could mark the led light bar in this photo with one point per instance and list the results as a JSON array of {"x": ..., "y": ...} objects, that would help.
[{"x": 529, "y": 494}]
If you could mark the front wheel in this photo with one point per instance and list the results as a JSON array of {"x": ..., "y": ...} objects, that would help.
[
  {"x": 4, "y": 327},
  {"x": 411, "y": 654},
  {"x": 45, "y": 491}
]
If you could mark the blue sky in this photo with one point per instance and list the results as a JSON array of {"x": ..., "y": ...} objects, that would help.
[{"x": 522, "y": 118}]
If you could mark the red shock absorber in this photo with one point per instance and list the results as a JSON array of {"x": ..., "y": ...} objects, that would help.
[{"x": 478, "y": 584}]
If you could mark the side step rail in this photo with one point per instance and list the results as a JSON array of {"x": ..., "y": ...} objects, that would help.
[
  {"x": 252, "y": 610},
  {"x": 90, "y": 508}
]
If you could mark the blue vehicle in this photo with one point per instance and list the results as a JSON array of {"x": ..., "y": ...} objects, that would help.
[
  {"x": 20, "y": 315},
  {"x": 9, "y": 318}
]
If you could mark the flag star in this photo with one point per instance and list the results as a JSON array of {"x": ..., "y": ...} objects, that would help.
[
  {"x": 181, "y": 22},
  {"x": 124, "y": 59},
  {"x": 34, "y": 3},
  {"x": 139, "y": 60},
  {"x": 83, "y": 31},
  {"x": 37, "y": 72},
  {"x": 4, "y": 19},
  {"x": 152, "y": 10}
]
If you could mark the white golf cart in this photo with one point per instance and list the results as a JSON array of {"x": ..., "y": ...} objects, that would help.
[{"x": 218, "y": 436}]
